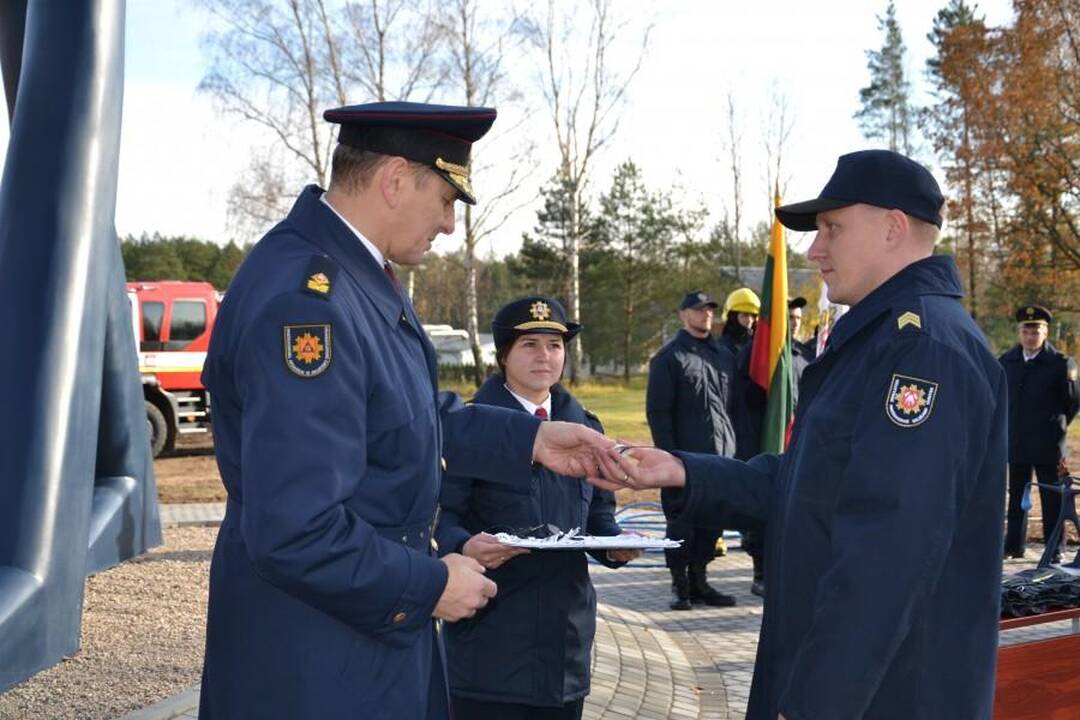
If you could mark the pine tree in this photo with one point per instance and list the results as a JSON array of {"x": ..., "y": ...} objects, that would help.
[{"x": 886, "y": 111}]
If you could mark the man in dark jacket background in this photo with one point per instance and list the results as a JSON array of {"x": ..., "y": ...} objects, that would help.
[
  {"x": 688, "y": 404},
  {"x": 1044, "y": 394}
]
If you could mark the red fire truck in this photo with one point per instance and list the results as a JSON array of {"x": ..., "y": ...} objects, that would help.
[{"x": 172, "y": 322}]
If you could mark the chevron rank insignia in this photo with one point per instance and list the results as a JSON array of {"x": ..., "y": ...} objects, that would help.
[
  {"x": 319, "y": 277},
  {"x": 910, "y": 400},
  {"x": 908, "y": 318},
  {"x": 308, "y": 349}
]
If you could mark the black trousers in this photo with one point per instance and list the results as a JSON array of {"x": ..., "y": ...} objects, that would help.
[
  {"x": 468, "y": 709},
  {"x": 1016, "y": 527},
  {"x": 698, "y": 548}
]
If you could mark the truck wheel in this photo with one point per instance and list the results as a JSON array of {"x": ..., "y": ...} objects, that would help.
[{"x": 159, "y": 429}]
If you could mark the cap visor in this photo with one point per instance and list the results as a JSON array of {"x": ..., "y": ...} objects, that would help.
[
  {"x": 464, "y": 195},
  {"x": 802, "y": 216}
]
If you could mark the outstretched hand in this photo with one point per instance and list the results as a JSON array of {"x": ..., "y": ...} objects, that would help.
[
  {"x": 568, "y": 448},
  {"x": 637, "y": 468}
]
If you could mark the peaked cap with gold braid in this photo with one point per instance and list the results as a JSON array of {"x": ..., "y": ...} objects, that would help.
[
  {"x": 439, "y": 136},
  {"x": 532, "y": 314}
]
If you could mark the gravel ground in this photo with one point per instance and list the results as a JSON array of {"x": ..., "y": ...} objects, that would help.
[{"x": 143, "y": 630}]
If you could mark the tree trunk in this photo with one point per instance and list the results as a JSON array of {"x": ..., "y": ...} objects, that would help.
[
  {"x": 577, "y": 349},
  {"x": 471, "y": 322},
  {"x": 628, "y": 319},
  {"x": 969, "y": 203}
]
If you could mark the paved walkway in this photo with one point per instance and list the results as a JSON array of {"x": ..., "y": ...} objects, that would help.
[{"x": 649, "y": 663}]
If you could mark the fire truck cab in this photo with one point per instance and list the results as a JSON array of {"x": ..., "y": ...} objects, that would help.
[{"x": 172, "y": 321}]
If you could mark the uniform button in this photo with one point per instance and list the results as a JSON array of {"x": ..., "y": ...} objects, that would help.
[
  {"x": 404, "y": 538},
  {"x": 443, "y": 461},
  {"x": 399, "y": 617}
]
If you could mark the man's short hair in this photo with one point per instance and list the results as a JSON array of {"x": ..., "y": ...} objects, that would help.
[{"x": 352, "y": 168}]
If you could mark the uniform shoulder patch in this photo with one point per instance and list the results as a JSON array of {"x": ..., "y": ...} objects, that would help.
[
  {"x": 910, "y": 400},
  {"x": 319, "y": 276},
  {"x": 308, "y": 349},
  {"x": 908, "y": 319}
]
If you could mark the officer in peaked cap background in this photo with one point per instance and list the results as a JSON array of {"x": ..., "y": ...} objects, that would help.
[
  {"x": 329, "y": 430},
  {"x": 1044, "y": 395},
  {"x": 689, "y": 403},
  {"x": 520, "y": 658},
  {"x": 884, "y": 515}
]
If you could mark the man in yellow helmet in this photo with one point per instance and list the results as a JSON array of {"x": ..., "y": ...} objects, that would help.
[{"x": 741, "y": 310}]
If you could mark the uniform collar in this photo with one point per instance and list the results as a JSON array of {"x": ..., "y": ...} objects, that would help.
[
  {"x": 689, "y": 340},
  {"x": 375, "y": 252},
  {"x": 561, "y": 404},
  {"x": 935, "y": 275},
  {"x": 320, "y": 225},
  {"x": 529, "y": 405}
]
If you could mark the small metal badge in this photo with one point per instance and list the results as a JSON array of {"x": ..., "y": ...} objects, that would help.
[
  {"x": 308, "y": 349},
  {"x": 910, "y": 400},
  {"x": 540, "y": 310}
]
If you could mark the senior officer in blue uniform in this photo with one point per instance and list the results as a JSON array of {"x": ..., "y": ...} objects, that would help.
[
  {"x": 526, "y": 656},
  {"x": 329, "y": 431},
  {"x": 1044, "y": 394},
  {"x": 884, "y": 515}
]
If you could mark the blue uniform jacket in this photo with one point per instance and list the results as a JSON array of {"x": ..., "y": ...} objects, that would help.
[
  {"x": 328, "y": 430},
  {"x": 532, "y": 643},
  {"x": 1044, "y": 394},
  {"x": 883, "y": 563}
]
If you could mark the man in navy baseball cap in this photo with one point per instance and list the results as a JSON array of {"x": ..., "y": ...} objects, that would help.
[
  {"x": 885, "y": 510},
  {"x": 881, "y": 178}
]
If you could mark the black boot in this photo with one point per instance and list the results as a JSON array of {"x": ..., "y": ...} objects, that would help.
[
  {"x": 703, "y": 593},
  {"x": 680, "y": 590},
  {"x": 757, "y": 587}
]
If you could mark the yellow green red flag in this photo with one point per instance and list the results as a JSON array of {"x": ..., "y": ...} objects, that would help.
[{"x": 770, "y": 357}]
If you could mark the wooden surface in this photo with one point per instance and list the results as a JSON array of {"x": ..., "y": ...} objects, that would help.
[{"x": 1039, "y": 680}]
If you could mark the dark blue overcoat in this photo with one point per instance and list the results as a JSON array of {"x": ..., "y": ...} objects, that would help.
[
  {"x": 1044, "y": 394},
  {"x": 532, "y": 644},
  {"x": 883, "y": 562},
  {"x": 329, "y": 430}
]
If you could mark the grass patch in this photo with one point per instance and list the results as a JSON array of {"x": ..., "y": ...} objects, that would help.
[{"x": 620, "y": 406}]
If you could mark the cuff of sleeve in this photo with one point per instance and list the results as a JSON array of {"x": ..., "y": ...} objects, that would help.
[
  {"x": 413, "y": 609},
  {"x": 452, "y": 540},
  {"x": 682, "y": 502}
]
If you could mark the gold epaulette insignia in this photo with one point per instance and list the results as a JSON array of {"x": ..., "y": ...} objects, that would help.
[
  {"x": 908, "y": 318},
  {"x": 319, "y": 283}
]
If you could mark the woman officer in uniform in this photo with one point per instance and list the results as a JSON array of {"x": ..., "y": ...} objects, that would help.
[{"x": 526, "y": 655}]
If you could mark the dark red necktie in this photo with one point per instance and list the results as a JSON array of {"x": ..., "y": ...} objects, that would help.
[
  {"x": 390, "y": 274},
  {"x": 541, "y": 413}
]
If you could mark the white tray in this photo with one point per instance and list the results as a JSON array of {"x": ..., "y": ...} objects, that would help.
[{"x": 573, "y": 541}]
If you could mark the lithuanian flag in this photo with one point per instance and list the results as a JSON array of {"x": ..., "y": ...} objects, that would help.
[{"x": 770, "y": 357}]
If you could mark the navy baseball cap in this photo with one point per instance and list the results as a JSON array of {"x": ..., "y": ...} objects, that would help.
[
  {"x": 882, "y": 178},
  {"x": 697, "y": 300},
  {"x": 439, "y": 136}
]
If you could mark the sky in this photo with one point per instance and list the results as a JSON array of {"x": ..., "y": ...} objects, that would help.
[{"x": 179, "y": 157}]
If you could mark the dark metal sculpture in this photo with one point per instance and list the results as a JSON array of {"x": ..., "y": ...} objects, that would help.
[{"x": 77, "y": 490}]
